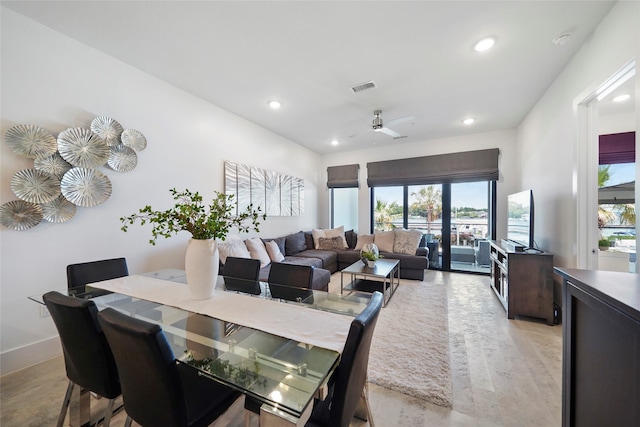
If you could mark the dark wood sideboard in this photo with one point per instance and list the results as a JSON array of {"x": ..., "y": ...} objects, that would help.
[
  {"x": 601, "y": 348},
  {"x": 523, "y": 282}
]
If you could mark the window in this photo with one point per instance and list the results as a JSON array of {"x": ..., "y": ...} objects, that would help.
[
  {"x": 344, "y": 208},
  {"x": 388, "y": 208}
]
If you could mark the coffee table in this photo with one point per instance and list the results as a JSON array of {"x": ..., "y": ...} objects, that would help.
[{"x": 382, "y": 277}]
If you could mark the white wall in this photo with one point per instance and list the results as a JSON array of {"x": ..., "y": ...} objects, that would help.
[
  {"x": 547, "y": 137},
  {"x": 504, "y": 140},
  {"x": 617, "y": 123},
  {"x": 54, "y": 82}
]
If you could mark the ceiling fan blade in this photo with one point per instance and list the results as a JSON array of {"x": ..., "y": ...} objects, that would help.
[
  {"x": 389, "y": 132},
  {"x": 400, "y": 120},
  {"x": 360, "y": 132}
]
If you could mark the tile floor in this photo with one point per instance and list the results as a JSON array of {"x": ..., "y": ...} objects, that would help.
[{"x": 505, "y": 373}]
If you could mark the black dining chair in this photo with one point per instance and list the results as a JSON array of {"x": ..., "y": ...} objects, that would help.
[
  {"x": 87, "y": 357},
  {"x": 157, "y": 390},
  {"x": 291, "y": 282},
  {"x": 348, "y": 385},
  {"x": 79, "y": 275},
  {"x": 241, "y": 275}
]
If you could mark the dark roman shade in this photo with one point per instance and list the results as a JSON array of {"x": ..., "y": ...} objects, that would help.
[
  {"x": 617, "y": 148},
  {"x": 343, "y": 176},
  {"x": 481, "y": 165}
]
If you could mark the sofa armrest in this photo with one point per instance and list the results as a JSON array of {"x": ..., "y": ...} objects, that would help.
[{"x": 422, "y": 252}]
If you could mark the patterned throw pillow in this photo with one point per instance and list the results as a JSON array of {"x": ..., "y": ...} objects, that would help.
[
  {"x": 337, "y": 232},
  {"x": 406, "y": 241},
  {"x": 331, "y": 243}
]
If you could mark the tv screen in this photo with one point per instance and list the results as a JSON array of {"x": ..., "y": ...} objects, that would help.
[{"x": 520, "y": 218}]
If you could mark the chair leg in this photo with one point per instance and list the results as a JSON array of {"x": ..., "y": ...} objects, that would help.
[
  {"x": 366, "y": 403},
  {"x": 65, "y": 404},
  {"x": 247, "y": 418},
  {"x": 107, "y": 415},
  {"x": 363, "y": 411}
]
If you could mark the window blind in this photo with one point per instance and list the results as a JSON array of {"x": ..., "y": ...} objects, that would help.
[
  {"x": 617, "y": 148},
  {"x": 345, "y": 176},
  {"x": 480, "y": 165}
]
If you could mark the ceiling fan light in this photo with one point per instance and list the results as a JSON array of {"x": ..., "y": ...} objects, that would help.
[{"x": 484, "y": 44}]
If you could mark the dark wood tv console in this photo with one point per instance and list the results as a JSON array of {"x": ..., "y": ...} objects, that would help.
[
  {"x": 523, "y": 282},
  {"x": 601, "y": 348}
]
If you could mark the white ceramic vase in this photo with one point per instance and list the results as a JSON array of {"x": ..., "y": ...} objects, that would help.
[
  {"x": 201, "y": 266},
  {"x": 371, "y": 264}
]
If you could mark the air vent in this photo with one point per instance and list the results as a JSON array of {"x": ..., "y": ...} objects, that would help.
[{"x": 363, "y": 86}]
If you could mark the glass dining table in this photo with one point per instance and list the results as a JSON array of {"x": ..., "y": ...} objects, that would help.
[{"x": 268, "y": 364}]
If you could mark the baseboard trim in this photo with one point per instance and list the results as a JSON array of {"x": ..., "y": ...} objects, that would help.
[{"x": 23, "y": 357}]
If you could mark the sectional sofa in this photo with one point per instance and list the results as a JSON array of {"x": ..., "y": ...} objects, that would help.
[{"x": 300, "y": 248}]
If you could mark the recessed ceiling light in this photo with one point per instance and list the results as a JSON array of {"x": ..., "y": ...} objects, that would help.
[
  {"x": 484, "y": 44},
  {"x": 274, "y": 104},
  {"x": 335, "y": 142},
  {"x": 468, "y": 121},
  {"x": 622, "y": 98}
]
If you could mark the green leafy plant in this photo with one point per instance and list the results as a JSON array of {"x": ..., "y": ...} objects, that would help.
[
  {"x": 604, "y": 243},
  {"x": 213, "y": 221},
  {"x": 370, "y": 256}
]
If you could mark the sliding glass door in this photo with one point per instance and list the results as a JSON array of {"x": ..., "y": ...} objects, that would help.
[
  {"x": 470, "y": 226},
  {"x": 455, "y": 218}
]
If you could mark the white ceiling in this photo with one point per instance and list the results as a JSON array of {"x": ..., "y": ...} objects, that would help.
[{"x": 239, "y": 55}]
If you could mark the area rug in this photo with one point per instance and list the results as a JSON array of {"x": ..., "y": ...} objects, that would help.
[{"x": 410, "y": 347}]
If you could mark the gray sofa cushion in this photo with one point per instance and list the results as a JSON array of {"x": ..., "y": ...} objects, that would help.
[
  {"x": 308, "y": 238},
  {"x": 352, "y": 238},
  {"x": 327, "y": 258},
  {"x": 279, "y": 241},
  {"x": 294, "y": 243}
]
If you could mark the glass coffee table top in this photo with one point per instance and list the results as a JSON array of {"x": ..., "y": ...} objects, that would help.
[{"x": 383, "y": 277}]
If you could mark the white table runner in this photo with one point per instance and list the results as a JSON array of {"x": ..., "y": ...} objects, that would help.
[{"x": 319, "y": 328}]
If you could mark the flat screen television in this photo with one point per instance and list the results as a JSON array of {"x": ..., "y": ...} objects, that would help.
[{"x": 520, "y": 218}]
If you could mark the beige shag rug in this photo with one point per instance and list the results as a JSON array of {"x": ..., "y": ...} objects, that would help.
[{"x": 410, "y": 347}]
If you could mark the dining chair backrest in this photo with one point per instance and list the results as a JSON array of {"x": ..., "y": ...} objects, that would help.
[
  {"x": 351, "y": 373},
  {"x": 291, "y": 281},
  {"x": 87, "y": 355},
  {"x": 151, "y": 388},
  {"x": 80, "y": 274},
  {"x": 241, "y": 274},
  {"x": 157, "y": 390}
]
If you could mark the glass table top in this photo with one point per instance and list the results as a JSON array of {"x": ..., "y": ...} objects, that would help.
[{"x": 276, "y": 370}]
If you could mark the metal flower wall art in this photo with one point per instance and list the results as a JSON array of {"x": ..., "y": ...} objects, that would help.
[{"x": 66, "y": 170}]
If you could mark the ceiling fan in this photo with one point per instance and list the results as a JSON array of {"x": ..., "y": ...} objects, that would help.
[{"x": 378, "y": 125}]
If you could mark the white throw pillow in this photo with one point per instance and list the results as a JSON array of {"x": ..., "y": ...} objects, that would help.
[
  {"x": 232, "y": 246},
  {"x": 258, "y": 251},
  {"x": 363, "y": 239},
  {"x": 384, "y": 240},
  {"x": 274, "y": 251},
  {"x": 406, "y": 241},
  {"x": 337, "y": 232},
  {"x": 317, "y": 234}
]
